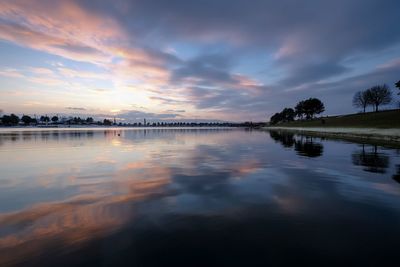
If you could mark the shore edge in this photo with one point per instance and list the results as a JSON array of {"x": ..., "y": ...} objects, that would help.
[{"x": 387, "y": 135}]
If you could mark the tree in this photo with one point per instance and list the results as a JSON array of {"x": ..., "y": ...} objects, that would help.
[
  {"x": 277, "y": 117},
  {"x": 299, "y": 109},
  {"x": 379, "y": 95},
  {"x": 14, "y": 119},
  {"x": 398, "y": 86},
  {"x": 44, "y": 119},
  {"x": 309, "y": 108},
  {"x": 54, "y": 119},
  {"x": 10, "y": 119},
  {"x": 89, "y": 120},
  {"x": 26, "y": 119},
  {"x": 288, "y": 114},
  {"x": 107, "y": 122},
  {"x": 361, "y": 99}
]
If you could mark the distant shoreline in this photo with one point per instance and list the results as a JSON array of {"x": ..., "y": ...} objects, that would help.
[{"x": 116, "y": 127}]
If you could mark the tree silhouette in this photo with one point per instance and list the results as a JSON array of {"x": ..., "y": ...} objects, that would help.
[
  {"x": 309, "y": 108},
  {"x": 361, "y": 99},
  {"x": 26, "y": 119},
  {"x": 299, "y": 109},
  {"x": 107, "y": 122},
  {"x": 398, "y": 86},
  {"x": 44, "y": 119},
  {"x": 379, "y": 95},
  {"x": 288, "y": 114},
  {"x": 54, "y": 119},
  {"x": 10, "y": 119},
  {"x": 14, "y": 119}
]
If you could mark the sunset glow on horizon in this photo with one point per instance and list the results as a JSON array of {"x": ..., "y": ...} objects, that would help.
[{"x": 175, "y": 60}]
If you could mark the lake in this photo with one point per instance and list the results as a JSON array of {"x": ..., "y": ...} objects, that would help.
[{"x": 195, "y": 197}]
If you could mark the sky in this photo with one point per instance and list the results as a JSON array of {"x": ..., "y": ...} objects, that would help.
[{"x": 233, "y": 60}]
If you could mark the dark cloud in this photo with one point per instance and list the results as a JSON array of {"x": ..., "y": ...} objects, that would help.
[
  {"x": 166, "y": 100},
  {"x": 210, "y": 69},
  {"x": 77, "y": 48},
  {"x": 313, "y": 72}
]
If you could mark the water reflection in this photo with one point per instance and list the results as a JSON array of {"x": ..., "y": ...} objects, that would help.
[
  {"x": 396, "y": 176},
  {"x": 371, "y": 159},
  {"x": 285, "y": 138},
  {"x": 193, "y": 198},
  {"x": 303, "y": 145}
]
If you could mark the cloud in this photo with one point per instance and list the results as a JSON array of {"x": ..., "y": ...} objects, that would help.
[
  {"x": 9, "y": 72},
  {"x": 254, "y": 57},
  {"x": 52, "y": 44},
  {"x": 133, "y": 115},
  {"x": 176, "y": 110},
  {"x": 76, "y": 108}
]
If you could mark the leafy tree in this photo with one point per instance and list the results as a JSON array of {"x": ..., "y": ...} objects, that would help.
[
  {"x": 309, "y": 108},
  {"x": 44, "y": 119},
  {"x": 288, "y": 114},
  {"x": 26, "y": 119},
  {"x": 54, "y": 119},
  {"x": 10, "y": 119},
  {"x": 398, "y": 86},
  {"x": 361, "y": 99},
  {"x": 299, "y": 109},
  {"x": 107, "y": 122},
  {"x": 14, "y": 119},
  {"x": 89, "y": 120},
  {"x": 313, "y": 106},
  {"x": 379, "y": 95},
  {"x": 6, "y": 119},
  {"x": 277, "y": 117}
]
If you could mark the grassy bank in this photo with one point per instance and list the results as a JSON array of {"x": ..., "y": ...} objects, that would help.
[{"x": 382, "y": 119}]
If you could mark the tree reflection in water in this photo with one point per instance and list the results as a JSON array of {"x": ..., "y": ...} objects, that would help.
[
  {"x": 308, "y": 147},
  {"x": 303, "y": 145},
  {"x": 372, "y": 161},
  {"x": 396, "y": 176},
  {"x": 286, "y": 139}
]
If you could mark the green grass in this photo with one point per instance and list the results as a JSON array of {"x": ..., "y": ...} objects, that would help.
[{"x": 382, "y": 119}]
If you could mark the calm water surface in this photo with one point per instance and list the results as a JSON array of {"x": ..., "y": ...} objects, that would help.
[{"x": 187, "y": 197}]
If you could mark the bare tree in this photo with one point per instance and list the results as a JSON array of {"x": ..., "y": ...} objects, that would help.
[
  {"x": 361, "y": 100},
  {"x": 379, "y": 95}
]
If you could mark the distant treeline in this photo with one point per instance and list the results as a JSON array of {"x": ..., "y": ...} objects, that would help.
[
  {"x": 25, "y": 120},
  {"x": 375, "y": 96}
]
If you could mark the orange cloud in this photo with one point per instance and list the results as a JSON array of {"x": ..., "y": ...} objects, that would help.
[{"x": 58, "y": 27}]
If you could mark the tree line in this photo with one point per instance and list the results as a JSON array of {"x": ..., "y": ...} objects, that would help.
[
  {"x": 13, "y": 119},
  {"x": 375, "y": 96},
  {"x": 304, "y": 109},
  {"x": 25, "y": 120}
]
